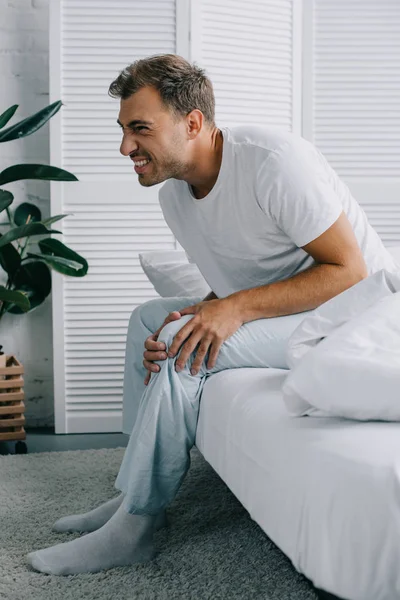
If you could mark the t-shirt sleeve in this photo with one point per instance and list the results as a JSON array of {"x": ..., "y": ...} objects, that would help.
[{"x": 294, "y": 190}]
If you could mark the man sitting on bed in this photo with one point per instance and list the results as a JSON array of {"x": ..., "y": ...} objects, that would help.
[{"x": 275, "y": 233}]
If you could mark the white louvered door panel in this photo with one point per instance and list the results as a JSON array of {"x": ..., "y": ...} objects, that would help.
[
  {"x": 99, "y": 38},
  {"x": 251, "y": 51},
  {"x": 114, "y": 218},
  {"x": 352, "y": 100}
]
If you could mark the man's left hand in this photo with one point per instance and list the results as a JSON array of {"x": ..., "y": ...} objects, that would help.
[{"x": 213, "y": 323}]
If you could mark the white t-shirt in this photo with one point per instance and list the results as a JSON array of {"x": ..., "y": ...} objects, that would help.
[{"x": 275, "y": 192}]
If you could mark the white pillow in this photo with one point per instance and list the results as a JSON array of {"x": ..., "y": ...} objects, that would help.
[
  {"x": 345, "y": 358},
  {"x": 172, "y": 275}
]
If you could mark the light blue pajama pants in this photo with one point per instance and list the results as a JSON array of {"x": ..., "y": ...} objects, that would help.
[{"x": 161, "y": 417}]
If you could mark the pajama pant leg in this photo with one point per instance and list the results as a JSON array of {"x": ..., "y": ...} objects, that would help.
[{"x": 163, "y": 415}]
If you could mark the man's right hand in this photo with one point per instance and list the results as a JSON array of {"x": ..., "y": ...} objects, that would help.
[{"x": 156, "y": 350}]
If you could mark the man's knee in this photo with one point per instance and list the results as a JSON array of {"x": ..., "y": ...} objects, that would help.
[
  {"x": 169, "y": 331},
  {"x": 145, "y": 309}
]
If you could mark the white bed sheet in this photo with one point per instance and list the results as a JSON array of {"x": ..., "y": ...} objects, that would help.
[{"x": 326, "y": 490}]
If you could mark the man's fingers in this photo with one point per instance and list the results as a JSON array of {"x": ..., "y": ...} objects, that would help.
[
  {"x": 150, "y": 366},
  {"x": 199, "y": 358},
  {"x": 156, "y": 350},
  {"x": 154, "y": 355},
  {"x": 151, "y": 343},
  {"x": 187, "y": 348}
]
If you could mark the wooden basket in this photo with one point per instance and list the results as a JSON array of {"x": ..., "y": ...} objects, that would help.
[{"x": 12, "y": 405}]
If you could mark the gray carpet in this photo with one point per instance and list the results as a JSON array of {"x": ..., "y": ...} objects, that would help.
[{"x": 212, "y": 549}]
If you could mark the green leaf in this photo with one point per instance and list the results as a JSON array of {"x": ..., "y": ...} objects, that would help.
[
  {"x": 6, "y": 199},
  {"x": 16, "y": 297},
  {"x": 23, "y": 211},
  {"x": 34, "y": 171},
  {"x": 34, "y": 279},
  {"x": 31, "y": 124},
  {"x": 24, "y": 231},
  {"x": 7, "y": 114},
  {"x": 62, "y": 265},
  {"x": 10, "y": 259},
  {"x": 52, "y": 220},
  {"x": 54, "y": 247}
]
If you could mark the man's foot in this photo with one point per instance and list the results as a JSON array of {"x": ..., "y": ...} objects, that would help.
[
  {"x": 96, "y": 518},
  {"x": 89, "y": 521},
  {"x": 125, "y": 539}
]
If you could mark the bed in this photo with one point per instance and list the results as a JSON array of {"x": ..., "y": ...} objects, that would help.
[{"x": 326, "y": 491}]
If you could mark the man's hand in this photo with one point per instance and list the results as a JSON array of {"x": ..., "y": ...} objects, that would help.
[
  {"x": 214, "y": 322},
  {"x": 156, "y": 350}
]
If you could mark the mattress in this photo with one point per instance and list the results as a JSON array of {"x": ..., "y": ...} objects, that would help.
[{"x": 325, "y": 490}]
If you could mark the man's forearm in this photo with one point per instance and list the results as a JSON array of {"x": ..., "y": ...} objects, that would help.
[
  {"x": 210, "y": 296},
  {"x": 305, "y": 291}
]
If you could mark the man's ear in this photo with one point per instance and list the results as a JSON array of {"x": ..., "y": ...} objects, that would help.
[{"x": 194, "y": 121}]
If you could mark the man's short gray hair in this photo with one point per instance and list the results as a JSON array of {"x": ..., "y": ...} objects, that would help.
[{"x": 182, "y": 86}]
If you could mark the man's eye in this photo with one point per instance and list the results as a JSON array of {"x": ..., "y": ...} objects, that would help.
[{"x": 140, "y": 127}]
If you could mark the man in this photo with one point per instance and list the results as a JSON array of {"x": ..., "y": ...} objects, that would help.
[{"x": 275, "y": 233}]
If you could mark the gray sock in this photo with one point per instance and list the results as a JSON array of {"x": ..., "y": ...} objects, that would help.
[
  {"x": 124, "y": 540},
  {"x": 96, "y": 518},
  {"x": 91, "y": 520}
]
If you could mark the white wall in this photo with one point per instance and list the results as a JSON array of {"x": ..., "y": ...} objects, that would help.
[{"x": 24, "y": 52}]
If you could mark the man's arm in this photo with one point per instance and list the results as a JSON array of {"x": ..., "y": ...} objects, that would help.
[
  {"x": 210, "y": 296},
  {"x": 340, "y": 265}
]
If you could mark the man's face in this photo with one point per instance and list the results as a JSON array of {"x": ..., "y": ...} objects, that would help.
[{"x": 155, "y": 135}]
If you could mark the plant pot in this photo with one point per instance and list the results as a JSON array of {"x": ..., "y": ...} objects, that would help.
[{"x": 12, "y": 405}]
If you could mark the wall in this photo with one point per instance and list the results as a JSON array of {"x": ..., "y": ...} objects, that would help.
[{"x": 24, "y": 54}]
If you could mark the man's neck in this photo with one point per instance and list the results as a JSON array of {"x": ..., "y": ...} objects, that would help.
[{"x": 207, "y": 165}]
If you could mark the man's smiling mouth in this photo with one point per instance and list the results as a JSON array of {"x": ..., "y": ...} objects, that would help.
[{"x": 140, "y": 165}]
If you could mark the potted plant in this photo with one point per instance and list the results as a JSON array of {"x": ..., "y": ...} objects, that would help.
[{"x": 26, "y": 263}]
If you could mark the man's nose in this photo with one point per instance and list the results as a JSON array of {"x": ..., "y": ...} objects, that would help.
[{"x": 128, "y": 145}]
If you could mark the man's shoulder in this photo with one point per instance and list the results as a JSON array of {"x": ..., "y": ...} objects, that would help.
[{"x": 265, "y": 138}]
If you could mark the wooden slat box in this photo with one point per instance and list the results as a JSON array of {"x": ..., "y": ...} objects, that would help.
[{"x": 12, "y": 406}]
